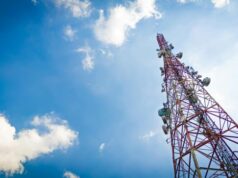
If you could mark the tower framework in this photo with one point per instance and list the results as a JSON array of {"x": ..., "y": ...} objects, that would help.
[{"x": 203, "y": 137}]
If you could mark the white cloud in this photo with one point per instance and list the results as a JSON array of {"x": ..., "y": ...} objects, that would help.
[
  {"x": 224, "y": 79},
  {"x": 186, "y": 1},
  {"x": 69, "y": 33},
  {"x": 102, "y": 147},
  {"x": 78, "y": 8},
  {"x": 214, "y": 59},
  {"x": 69, "y": 174},
  {"x": 27, "y": 144},
  {"x": 148, "y": 136},
  {"x": 220, "y": 3},
  {"x": 87, "y": 62},
  {"x": 103, "y": 51},
  {"x": 216, "y": 3},
  {"x": 181, "y": 1},
  {"x": 114, "y": 30},
  {"x": 106, "y": 53}
]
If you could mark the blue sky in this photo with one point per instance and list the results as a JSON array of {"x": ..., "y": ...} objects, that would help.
[{"x": 80, "y": 82}]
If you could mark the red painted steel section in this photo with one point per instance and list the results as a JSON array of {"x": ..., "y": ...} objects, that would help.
[{"x": 203, "y": 136}]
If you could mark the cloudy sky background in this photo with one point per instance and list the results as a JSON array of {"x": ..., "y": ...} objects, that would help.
[{"x": 80, "y": 81}]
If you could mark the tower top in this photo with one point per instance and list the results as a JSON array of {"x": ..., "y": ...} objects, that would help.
[{"x": 162, "y": 42}]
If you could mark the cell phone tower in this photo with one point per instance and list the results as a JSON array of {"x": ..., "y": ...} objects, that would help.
[{"x": 203, "y": 137}]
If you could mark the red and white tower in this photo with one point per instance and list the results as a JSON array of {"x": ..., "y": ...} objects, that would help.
[{"x": 203, "y": 137}]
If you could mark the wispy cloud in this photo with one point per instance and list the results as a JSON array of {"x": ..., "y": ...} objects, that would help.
[
  {"x": 224, "y": 79},
  {"x": 69, "y": 174},
  {"x": 17, "y": 148},
  {"x": 87, "y": 62},
  {"x": 34, "y": 2},
  {"x": 216, "y": 3},
  {"x": 101, "y": 147},
  {"x": 77, "y": 8},
  {"x": 114, "y": 29},
  {"x": 106, "y": 53},
  {"x": 186, "y": 1},
  {"x": 215, "y": 59},
  {"x": 69, "y": 33},
  {"x": 220, "y": 3},
  {"x": 148, "y": 135}
]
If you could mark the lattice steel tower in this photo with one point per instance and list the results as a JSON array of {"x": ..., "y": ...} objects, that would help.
[{"x": 203, "y": 137}]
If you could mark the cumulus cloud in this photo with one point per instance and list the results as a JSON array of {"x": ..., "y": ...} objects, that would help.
[
  {"x": 87, "y": 62},
  {"x": 114, "y": 29},
  {"x": 27, "y": 144},
  {"x": 220, "y": 3},
  {"x": 69, "y": 33},
  {"x": 69, "y": 174},
  {"x": 78, "y": 8},
  {"x": 102, "y": 147}
]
